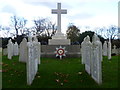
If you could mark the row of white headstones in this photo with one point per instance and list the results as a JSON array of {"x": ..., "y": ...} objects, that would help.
[
  {"x": 107, "y": 49},
  {"x": 92, "y": 56},
  {"x": 12, "y": 49},
  {"x": 29, "y": 53}
]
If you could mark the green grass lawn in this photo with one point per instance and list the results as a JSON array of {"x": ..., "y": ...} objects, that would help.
[{"x": 55, "y": 73}]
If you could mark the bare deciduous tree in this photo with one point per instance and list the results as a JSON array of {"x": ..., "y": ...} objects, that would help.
[
  {"x": 108, "y": 33},
  {"x": 44, "y": 26},
  {"x": 18, "y": 23}
]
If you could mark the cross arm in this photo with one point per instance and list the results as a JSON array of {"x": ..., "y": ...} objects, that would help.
[
  {"x": 63, "y": 11},
  {"x": 54, "y": 11}
]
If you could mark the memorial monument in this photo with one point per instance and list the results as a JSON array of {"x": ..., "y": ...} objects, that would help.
[
  {"x": 59, "y": 38},
  {"x": 59, "y": 45}
]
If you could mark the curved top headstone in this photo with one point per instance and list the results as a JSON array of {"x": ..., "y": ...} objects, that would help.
[
  {"x": 10, "y": 41},
  {"x": 35, "y": 39},
  {"x": 24, "y": 40},
  {"x": 16, "y": 43},
  {"x": 114, "y": 47},
  {"x": 87, "y": 38},
  {"x": 105, "y": 42},
  {"x": 29, "y": 38},
  {"x": 95, "y": 38}
]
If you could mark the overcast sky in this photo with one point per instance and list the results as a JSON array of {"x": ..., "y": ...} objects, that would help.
[{"x": 82, "y": 13}]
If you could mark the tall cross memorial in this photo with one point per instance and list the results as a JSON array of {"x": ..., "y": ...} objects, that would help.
[
  {"x": 59, "y": 38},
  {"x": 59, "y": 11}
]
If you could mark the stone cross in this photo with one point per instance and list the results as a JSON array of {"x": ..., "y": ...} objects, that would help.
[{"x": 59, "y": 11}]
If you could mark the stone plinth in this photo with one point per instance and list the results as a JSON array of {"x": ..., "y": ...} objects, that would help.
[
  {"x": 59, "y": 39},
  {"x": 59, "y": 35},
  {"x": 48, "y": 50}
]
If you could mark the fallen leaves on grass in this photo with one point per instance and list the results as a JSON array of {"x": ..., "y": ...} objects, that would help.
[
  {"x": 56, "y": 73},
  {"x": 16, "y": 71},
  {"x": 5, "y": 65},
  {"x": 4, "y": 70},
  {"x": 79, "y": 73},
  {"x": 65, "y": 81},
  {"x": 38, "y": 76},
  {"x": 14, "y": 64},
  {"x": 61, "y": 78},
  {"x": 57, "y": 80},
  {"x": 61, "y": 84},
  {"x": 67, "y": 75},
  {"x": 61, "y": 74}
]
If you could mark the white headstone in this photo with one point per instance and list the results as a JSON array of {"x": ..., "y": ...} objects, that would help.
[
  {"x": 114, "y": 47},
  {"x": 83, "y": 53},
  {"x": 37, "y": 47},
  {"x": 96, "y": 71},
  {"x": 88, "y": 49},
  {"x": 33, "y": 60},
  {"x": 109, "y": 49},
  {"x": 30, "y": 64},
  {"x": 15, "y": 49},
  {"x": 10, "y": 49},
  {"x": 23, "y": 51},
  {"x": 29, "y": 38},
  {"x": 105, "y": 49},
  {"x": 114, "y": 50}
]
